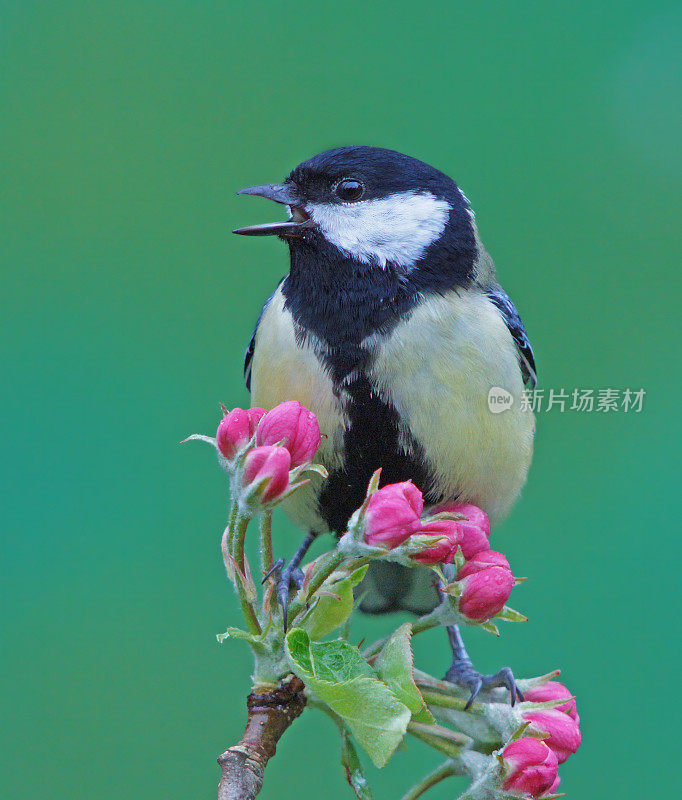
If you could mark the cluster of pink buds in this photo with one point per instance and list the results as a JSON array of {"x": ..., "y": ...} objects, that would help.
[
  {"x": 392, "y": 516},
  {"x": 561, "y": 723},
  {"x": 265, "y": 451},
  {"x": 285, "y": 438},
  {"x": 531, "y": 764}
]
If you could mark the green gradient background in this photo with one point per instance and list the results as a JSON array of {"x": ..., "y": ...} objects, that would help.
[{"x": 126, "y": 304}]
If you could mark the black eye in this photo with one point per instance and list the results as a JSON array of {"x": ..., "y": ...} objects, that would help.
[{"x": 349, "y": 190}]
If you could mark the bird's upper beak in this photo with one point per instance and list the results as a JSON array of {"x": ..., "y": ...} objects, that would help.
[{"x": 286, "y": 194}]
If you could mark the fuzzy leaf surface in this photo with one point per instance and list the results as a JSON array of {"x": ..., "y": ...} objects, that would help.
[
  {"x": 329, "y": 612},
  {"x": 338, "y": 674},
  {"x": 395, "y": 665}
]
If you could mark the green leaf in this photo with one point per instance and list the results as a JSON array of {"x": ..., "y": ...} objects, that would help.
[
  {"x": 490, "y": 627},
  {"x": 520, "y": 731},
  {"x": 237, "y": 633},
  {"x": 318, "y": 469},
  {"x": 511, "y": 615},
  {"x": 329, "y": 612},
  {"x": 199, "y": 437},
  {"x": 338, "y": 674},
  {"x": 395, "y": 666},
  {"x": 355, "y": 775},
  {"x": 530, "y": 683},
  {"x": 374, "y": 482}
]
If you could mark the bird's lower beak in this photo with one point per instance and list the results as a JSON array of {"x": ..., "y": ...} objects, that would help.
[{"x": 281, "y": 193}]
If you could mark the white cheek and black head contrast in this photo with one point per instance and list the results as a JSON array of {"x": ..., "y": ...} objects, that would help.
[{"x": 376, "y": 207}]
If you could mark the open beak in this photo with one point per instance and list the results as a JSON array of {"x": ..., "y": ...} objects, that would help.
[{"x": 281, "y": 193}]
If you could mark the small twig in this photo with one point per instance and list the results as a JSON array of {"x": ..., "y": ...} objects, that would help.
[
  {"x": 423, "y": 679},
  {"x": 425, "y": 623},
  {"x": 269, "y": 715},
  {"x": 238, "y": 525},
  {"x": 443, "y": 739},
  {"x": 432, "y": 698},
  {"x": 266, "y": 540},
  {"x": 446, "y": 770},
  {"x": 353, "y": 768}
]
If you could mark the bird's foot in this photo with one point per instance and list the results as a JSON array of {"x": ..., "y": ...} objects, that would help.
[
  {"x": 462, "y": 673},
  {"x": 289, "y": 577}
]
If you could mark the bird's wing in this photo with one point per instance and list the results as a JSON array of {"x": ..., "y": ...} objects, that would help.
[
  {"x": 248, "y": 356},
  {"x": 513, "y": 321}
]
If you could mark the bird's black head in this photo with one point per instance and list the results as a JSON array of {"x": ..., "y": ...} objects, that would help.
[{"x": 375, "y": 209}]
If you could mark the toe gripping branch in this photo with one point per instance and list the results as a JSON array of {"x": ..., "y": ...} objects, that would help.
[{"x": 463, "y": 673}]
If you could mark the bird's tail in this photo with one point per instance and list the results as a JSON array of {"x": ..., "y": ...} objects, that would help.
[{"x": 391, "y": 587}]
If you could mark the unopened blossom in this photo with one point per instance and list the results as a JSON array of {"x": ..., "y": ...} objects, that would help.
[
  {"x": 532, "y": 767},
  {"x": 392, "y": 514},
  {"x": 236, "y": 429},
  {"x": 445, "y": 535},
  {"x": 266, "y": 471},
  {"x": 564, "y": 733},
  {"x": 483, "y": 560},
  {"x": 553, "y": 690},
  {"x": 294, "y": 427},
  {"x": 473, "y": 529},
  {"x": 472, "y": 514},
  {"x": 486, "y": 583}
]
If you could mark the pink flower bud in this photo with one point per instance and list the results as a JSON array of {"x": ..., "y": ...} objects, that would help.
[
  {"x": 483, "y": 560},
  {"x": 446, "y": 541},
  {"x": 255, "y": 415},
  {"x": 552, "y": 789},
  {"x": 236, "y": 429},
  {"x": 392, "y": 514},
  {"x": 553, "y": 690},
  {"x": 294, "y": 427},
  {"x": 486, "y": 587},
  {"x": 270, "y": 463},
  {"x": 474, "y": 529},
  {"x": 564, "y": 733},
  {"x": 532, "y": 767},
  {"x": 473, "y": 514},
  {"x": 472, "y": 539}
]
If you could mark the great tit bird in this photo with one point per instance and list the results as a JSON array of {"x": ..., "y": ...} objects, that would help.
[{"x": 392, "y": 327}]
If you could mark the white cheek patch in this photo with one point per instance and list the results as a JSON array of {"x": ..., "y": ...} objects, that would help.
[{"x": 396, "y": 229}]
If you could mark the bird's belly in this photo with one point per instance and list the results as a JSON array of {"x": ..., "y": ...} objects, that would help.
[{"x": 437, "y": 369}]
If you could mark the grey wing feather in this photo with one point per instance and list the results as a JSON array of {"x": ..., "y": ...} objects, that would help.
[
  {"x": 515, "y": 324},
  {"x": 248, "y": 356}
]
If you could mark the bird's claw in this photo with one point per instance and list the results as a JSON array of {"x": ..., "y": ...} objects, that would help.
[
  {"x": 275, "y": 568},
  {"x": 463, "y": 674},
  {"x": 288, "y": 578}
]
